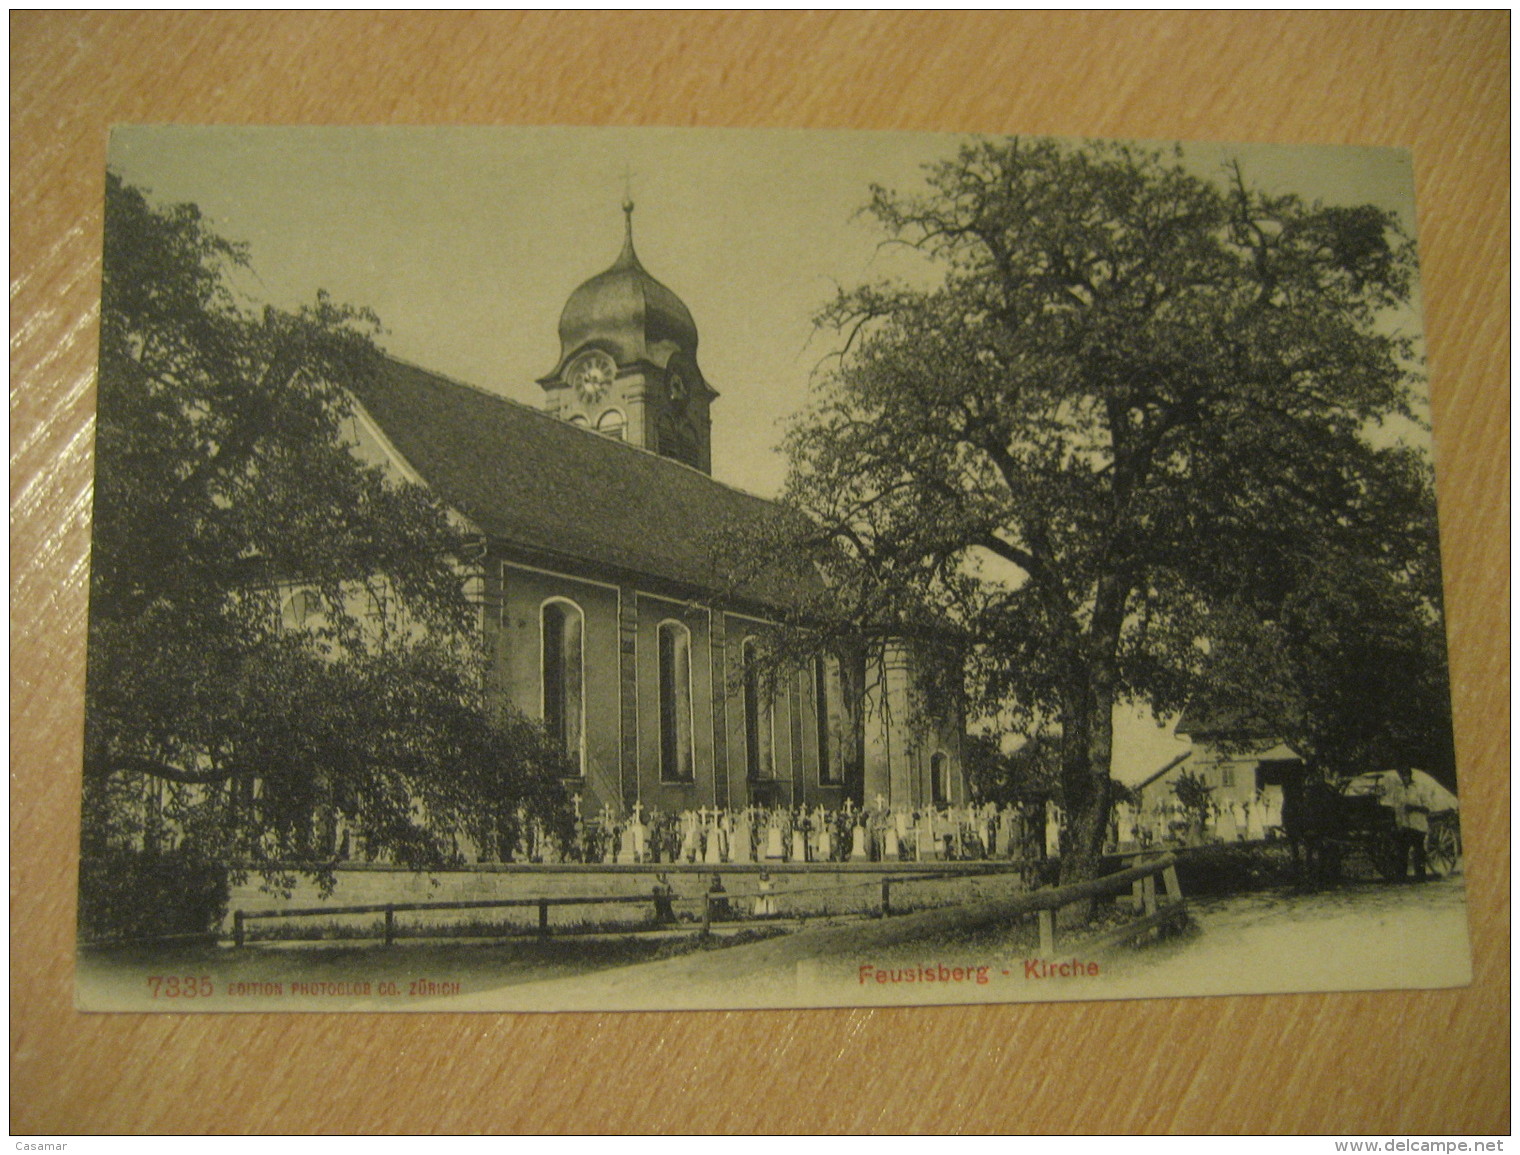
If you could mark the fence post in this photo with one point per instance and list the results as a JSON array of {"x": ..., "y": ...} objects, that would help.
[
  {"x": 1173, "y": 887},
  {"x": 1148, "y": 892},
  {"x": 237, "y": 927},
  {"x": 390, "y": 924},
  {"x": 886, "y": 898},
  {"x": 706, "y": 915},
  {"x": 1047, "y": 933},
  {"x": 543, "y": 917}
]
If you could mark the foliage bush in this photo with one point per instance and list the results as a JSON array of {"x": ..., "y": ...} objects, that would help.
[
  {"x": 136, "y": 894},
  {"x": 221, "y": 707},
  {"x": 1220, "y": 870}
]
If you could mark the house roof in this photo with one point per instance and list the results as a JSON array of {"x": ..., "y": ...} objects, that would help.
[
  {"x": 528, "y": 479},
  {"x": 1171, "y": 765},
  {"x": 1200, "y": 722},
  {"x": 1281, "y": 752}
]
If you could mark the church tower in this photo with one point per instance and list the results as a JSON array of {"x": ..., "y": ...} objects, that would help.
[{"x": 628, "y": 363}]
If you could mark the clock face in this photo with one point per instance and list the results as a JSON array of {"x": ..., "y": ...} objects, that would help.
[{"x": 591, "y": 374}]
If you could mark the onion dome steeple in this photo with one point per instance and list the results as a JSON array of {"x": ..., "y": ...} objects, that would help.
[
  {"x": 628, "y": 361},
  {"x": 627, "y": 312}
]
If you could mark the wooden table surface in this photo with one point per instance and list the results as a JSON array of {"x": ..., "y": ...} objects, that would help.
[{"x": 1379, "y": 1063}]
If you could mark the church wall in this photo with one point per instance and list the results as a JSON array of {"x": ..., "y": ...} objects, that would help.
[
  {"x": 622, "y": 727},
  {"x": 731, "y": 735},
  {"x": 785, "y": 784},
  {"x": 804, "y": 738},
  {"x": 655, "y": 790},
  {"x": 622, "y": 734},
  {"x": 902, "y": 737},
  {"x": 632, "y": 397},
  {"x": 888, "y": 766},
  {"x": 517, "y": 657},
  {"x": 895, "y": 748},
  {"x": 628, "y": 696},
  {"x": 944, "y": 736},
  {"x": 816, "y": 791},
  {"x": 369, "y": 444},
  {"x": 722, "y": 706}
]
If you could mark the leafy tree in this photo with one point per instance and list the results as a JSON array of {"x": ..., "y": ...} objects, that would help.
[
  {"x": 1029, "y": 775},
  {"x": 280, "y": 637},
  {"x": 1344, "y": 653},
  {"x": 1193, "y": 795},
  {"x": 1134, "y": 409}
]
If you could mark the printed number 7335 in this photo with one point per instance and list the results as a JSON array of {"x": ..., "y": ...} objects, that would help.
[{"x": 180, "y": 986}]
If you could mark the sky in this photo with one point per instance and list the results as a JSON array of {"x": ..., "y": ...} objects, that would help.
[{"x": 467, "y": 241}]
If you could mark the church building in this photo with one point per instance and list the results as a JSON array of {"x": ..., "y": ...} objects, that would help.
[{"x": 600, "y": 605}]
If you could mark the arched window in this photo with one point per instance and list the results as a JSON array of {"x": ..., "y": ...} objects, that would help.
[
  {"x": 577, "y": 419},
  {"x": 611, "y": 424},
  {"x": 939, "y": 779},
  {"x": 564, "y": 678},
  {"x": 758, "y": 737},
  {"x": 678, "y": 439},
  {"x": 826, "y": 698},
  {"x": 676, "y": 759},
  {"x": 302, "y": 609}
]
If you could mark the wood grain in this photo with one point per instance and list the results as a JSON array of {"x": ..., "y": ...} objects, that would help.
[{"x": 1376, "y": 1062}]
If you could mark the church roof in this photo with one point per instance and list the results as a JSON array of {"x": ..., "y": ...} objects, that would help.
[{"x": 529, "y": 479}]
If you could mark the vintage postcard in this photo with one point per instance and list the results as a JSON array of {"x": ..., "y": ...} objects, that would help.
[{"x": 593, "y": 569}]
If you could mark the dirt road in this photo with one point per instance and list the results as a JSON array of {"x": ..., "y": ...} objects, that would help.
[
  {"x": 1360, "y": 937},
  {"x": 1371, "y": 936}
]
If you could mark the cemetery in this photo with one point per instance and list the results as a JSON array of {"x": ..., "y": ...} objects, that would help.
[{"x": 720, "y": 869}]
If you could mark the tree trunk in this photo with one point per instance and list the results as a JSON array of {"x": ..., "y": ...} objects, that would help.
[
  {"x": 1086, "y": 756},
  {"x": 1088, "y": 740}
]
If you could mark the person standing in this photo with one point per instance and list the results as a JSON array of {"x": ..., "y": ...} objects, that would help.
[
  {"x": 717, "y": 901},
  {"x": 1411, "y": 821},
  {"x": 765, "y": 901},
  {"x": 664, "y": 907}
]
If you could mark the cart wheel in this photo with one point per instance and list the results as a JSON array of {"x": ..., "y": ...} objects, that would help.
[{"x": 1443, "y": 848}]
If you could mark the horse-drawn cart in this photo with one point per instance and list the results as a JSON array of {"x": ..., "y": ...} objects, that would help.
[
  {"x": 1368, "y": 825},
  {"x": 1333, "y": 829}
]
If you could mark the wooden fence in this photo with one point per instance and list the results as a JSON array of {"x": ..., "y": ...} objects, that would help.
[
  {"x": 241, "y": 918},
  {"x": 1140, "y": 879}
]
